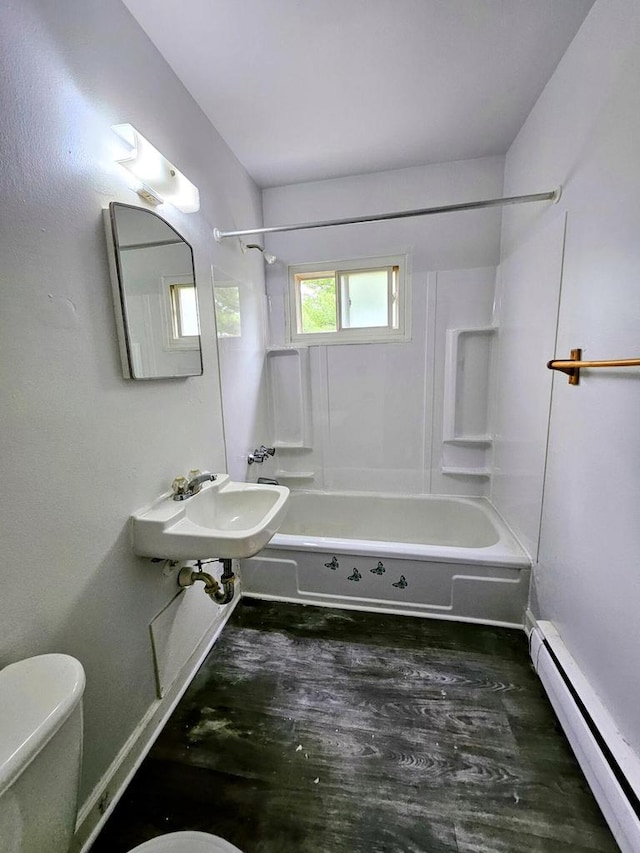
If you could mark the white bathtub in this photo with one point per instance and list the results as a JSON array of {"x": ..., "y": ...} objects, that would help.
[{"x": 453, "y": 558}]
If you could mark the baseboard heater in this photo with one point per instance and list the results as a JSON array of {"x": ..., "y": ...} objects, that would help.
[{"x": 610, "y": 766}]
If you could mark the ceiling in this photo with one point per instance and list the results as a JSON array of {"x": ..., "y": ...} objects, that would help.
[{"x": 311, "y": 89}]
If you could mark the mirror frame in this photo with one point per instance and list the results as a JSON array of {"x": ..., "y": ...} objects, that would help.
[{"x": 119, "y": 295}]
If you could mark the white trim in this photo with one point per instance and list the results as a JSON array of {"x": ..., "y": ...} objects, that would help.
[
  {"x": 617, "y": 810},
  {"x": 93, "y": 815}
]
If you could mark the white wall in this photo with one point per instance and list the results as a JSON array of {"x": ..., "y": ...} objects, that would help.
[
  {"x": 584, "y": 133},
  {"x": 83, "y": 447},
  {"x": 377, "y": 408}
]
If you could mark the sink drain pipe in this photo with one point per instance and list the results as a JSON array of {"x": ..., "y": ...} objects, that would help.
[{"x": 188, "y": 576}]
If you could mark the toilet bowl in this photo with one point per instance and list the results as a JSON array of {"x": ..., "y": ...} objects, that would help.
[
  {"x": 40, "y": 759},
  {"x": 186, "y": 842}
]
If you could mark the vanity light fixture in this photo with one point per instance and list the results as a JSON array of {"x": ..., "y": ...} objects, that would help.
[{"x": 156, "y": 179}]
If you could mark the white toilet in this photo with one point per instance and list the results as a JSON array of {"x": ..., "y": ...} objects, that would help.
[{"x": 40, "y": 757}]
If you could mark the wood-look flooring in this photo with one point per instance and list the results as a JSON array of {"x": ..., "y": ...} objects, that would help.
[{"x": 310, "y": 730}]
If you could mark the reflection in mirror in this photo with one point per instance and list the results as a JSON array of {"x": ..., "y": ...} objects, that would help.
[
  {"x": 242, "y": 327},
  {"x": 226, "y": 294},
  {"x": 227, "y": 301},
  {"x": 155, "y": 295}
]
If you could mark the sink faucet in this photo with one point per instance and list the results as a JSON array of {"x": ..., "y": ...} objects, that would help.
[{"x": 183, "y": 488}]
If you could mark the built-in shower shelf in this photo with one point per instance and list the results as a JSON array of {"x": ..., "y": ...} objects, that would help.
[
  {"x": 466, "y": 472},
  {"x": 470, "y": 439},
  {"x": 466, "y": 441},
  {"x": 466, "y": 384},
  {"x": 287, "y": 445},
  {"x": 289, "y": 397},
  {"x": 295, "y": 475}
]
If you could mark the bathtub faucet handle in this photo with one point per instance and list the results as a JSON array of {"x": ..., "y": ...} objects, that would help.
[{"x": 260, "y": 454}]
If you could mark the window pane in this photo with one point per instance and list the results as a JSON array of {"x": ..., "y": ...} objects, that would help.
[
  {"x": 317, "y": 304},
  {"x": 365, "y": 299},
  {"x": 227, "y": 302},
  {"x": 188, "y": 311},
  {"x": 395, "y": 314},
  {"x": 183, "y": 304}
]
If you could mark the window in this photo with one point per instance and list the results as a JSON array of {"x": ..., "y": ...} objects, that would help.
[
  {"x": 351, "y": 302},
  {"x": 184, "y": 311},
  {"x": 181, "y": 313}
]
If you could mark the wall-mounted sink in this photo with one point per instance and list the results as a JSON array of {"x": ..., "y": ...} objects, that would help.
[{"x": 224, "y": 520}]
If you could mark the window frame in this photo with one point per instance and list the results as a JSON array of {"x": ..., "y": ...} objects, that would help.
[
  {"x": 173, "y": 339},
  {"x": 348, "y": 335}
]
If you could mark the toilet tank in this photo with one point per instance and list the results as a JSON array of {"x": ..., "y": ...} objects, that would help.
[{"x": 40, "y": 753}]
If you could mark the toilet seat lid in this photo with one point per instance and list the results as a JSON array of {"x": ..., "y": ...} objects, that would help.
[{"x": 186, "y": 842}]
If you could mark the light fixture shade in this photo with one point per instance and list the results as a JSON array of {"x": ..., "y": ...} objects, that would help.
[{"x": 156, "y": 177}]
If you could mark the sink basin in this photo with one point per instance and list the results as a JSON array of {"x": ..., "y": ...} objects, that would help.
[{"x": 224, "y": 520}]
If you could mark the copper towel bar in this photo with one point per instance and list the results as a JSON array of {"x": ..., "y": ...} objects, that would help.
[{"x": 573, "y": 365}]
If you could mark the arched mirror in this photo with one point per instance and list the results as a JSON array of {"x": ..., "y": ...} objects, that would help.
[{"x": 155, "y": 295}]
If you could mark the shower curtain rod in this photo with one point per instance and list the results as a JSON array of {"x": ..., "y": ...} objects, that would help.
[{"x": 554, "y": 195}]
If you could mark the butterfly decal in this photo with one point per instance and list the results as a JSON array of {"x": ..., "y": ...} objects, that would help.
[
  {"x": 334, "y": 564},
  {"x": 402, "y": 583},
  {"x": 379, "y": 569},
  {"x": 356, "y": 576}
]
